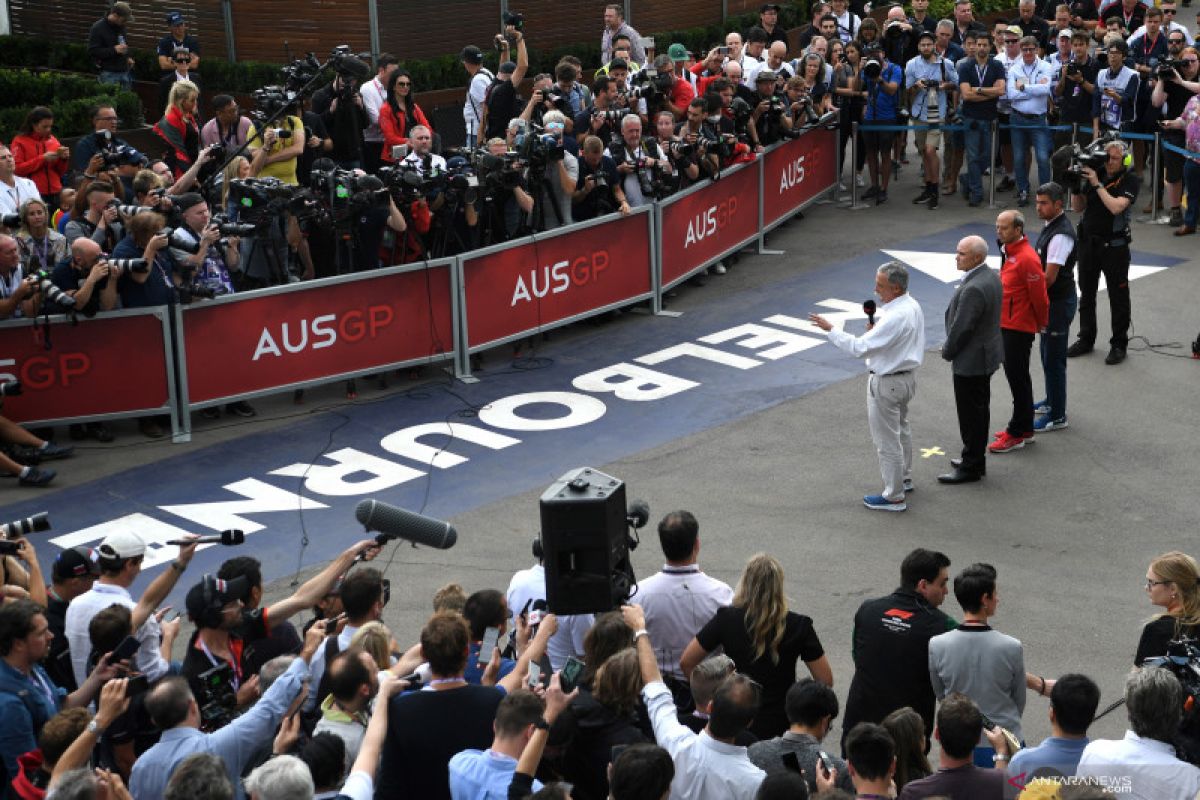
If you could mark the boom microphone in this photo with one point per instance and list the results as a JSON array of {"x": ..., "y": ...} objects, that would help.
[
  {"x": 638, "y": 513},
  {"x": 397, "y": 523},
  {"x": 869, "y": 310},
  {"x": 355, "y": 66},
  {"x": 228, "y": 538}
]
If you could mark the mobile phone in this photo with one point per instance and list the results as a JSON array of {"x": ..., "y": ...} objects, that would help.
[
  {"x": 987, "y": 722},
  {"x": 792, "y": 762},
  {"x": 137, "y": 685},
  {"x": 724, "y": 51},
  {"x": 399, "y": 152},
  {"x": 490, "y": 637},
  {"x": 126, "y": 649},
  {"x": 568, "y": 678},
  {"x": 171, "y": 616},
  {"x": 535, "y": 675},
  {"x": 823, "y": 763}
]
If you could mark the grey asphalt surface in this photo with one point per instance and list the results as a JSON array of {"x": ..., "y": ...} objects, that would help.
[{"x": 1070, "y": 522}]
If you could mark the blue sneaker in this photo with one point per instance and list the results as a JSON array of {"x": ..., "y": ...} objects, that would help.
[
  {"x": 1041, "y": 407},
  {"x": 1044, "y": 423},
  {"x": 877, "y": 502}
]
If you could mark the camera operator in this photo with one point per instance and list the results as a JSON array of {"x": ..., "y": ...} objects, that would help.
[
  {"x": 540, "y": 100},
  {"x": 501, "y": 101},
  {"x": 776, "y": 61},
  {"x": 680, "y": 169},
  {"x": 769, "y": 117},
  {"x": 696, "y": 131},
  {"x": 84, "y": 275},
  {"x": 19, "y": 296},
  {"x": 1104, "y": 237},
  {"x": 899, "y": 37},
  {"x": 1172, "y": 91},
  {"x": 104, "y": 138},
  {"x": 931, "y": 83},
  {"x": 374, "y": 225},
  {"x": 275, "y": 151},
  {"x": 560, "y": 183},
  {"x": 566, "y": 76},
  {"x": 596, "y": 121},
  {"x": 598, "y": 190},
  {"x": 209, "y": 267},
  {"x": 341, "y": 108},
  {"x": 1145, "y": 53},
  {"x": 638, "y": 161},
  {"x": 676, "y": 98},
  {"x": 100, "y": 221},
  {"x": 1074, "y": 92}
]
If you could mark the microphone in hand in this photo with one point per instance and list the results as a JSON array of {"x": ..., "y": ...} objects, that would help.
[
  {"x": 869, "y": 310},
  {"x": 228, "y": 538}
]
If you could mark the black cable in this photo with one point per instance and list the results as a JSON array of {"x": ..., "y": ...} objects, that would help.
[
  {"x": 300, "y": 498},
  {"x": 1158, "y": 348}
]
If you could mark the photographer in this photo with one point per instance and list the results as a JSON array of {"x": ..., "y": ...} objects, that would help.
[
  {"x": 770, "y": 115},
  {"x": 104, "y": 139},
  {"x": 881, "y": 87},
  {"x": 899, "y": 37},
  {"x": 560, "y": 185},
  {"x": 501, "y": 102},
  {"x": 1074, "y": 91},
  {"x": 512, "y": 202},
  {"x": 275, "y": 151},
  {"x": 1185, "y": 124},
  {"x": 340, "y": 107},
  {"x": 598, "y": 190},
  {"x": 1177, "y": 84},
  {"x": 380, "y": 230},
  {"x": 696, "y": 131},
  {"x": 1115, "y": 98},
  {"x": 931, "y": 83},
  {"x": 84, "y": 275},
  {"x": 639, "y": 162},
  {"x": 1145, "y": 53},
  {"x": 806, "y": 91},
  {"x": 156, "y": 285},
  {"x": 206, "y": 263},
  {"x": 597, "y": 119},
  {"x": 681, "y": 167},
  {"x": 1104, "y": 237},
  {"x": 19, "y": 296},
  {"x": 541, "y": 101},
  {"x": 673, "y": 97},
  {"x": 99, "y": 221}
]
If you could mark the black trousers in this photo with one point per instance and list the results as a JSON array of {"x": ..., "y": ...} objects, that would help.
[
  {"x": 1017, "y": 346},
  {"x": 1095, "y": 259},
  {"x": 973, "y": 401}
]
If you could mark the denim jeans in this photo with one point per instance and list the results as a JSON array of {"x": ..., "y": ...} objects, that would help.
[
  {"x": 122, "y": 79},
  {"x": 1054, "y": 352},
  {"x": 978, "y": 135},
  {"x": 1023, "y": 132},
  {"x": 1191, "y": 181}
]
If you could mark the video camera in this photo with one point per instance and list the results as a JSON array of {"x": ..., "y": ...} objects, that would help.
[
  {"x": 218, "y": 698},
  {"x": 1168, "y": 67},
  {"x": 1182, "y": 659},
  {"x": 1068, "y": 162},
  {"x": 536, "y": 148},
  {"x": 651, "y": 84}
]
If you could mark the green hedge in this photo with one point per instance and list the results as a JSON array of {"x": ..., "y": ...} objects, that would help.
[{"x": 71, "y": 97}]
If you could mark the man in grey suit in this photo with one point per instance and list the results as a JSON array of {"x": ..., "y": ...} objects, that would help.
[{"x": 974, "y": 348}]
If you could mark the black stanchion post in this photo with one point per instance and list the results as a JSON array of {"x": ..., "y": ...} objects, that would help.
[
  {"x": 992, "y": 166},
  {"x": 1156, "y": 182},
  {"x": 853, "y": 165}
]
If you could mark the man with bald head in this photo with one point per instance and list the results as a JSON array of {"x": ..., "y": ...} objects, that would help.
[
  {"x": 87, "y": 276},
  {"x": 18, "y": 297},
  {"x": 974, "y": 348}
]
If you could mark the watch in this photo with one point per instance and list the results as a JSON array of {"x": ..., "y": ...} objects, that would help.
[
  {"x": 541, "y": 724},
  {"x": 94, "y": 728}
]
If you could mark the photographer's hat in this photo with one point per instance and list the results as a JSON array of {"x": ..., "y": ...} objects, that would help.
[
  {"x": 1065, "y": 33},
  {"x": 187, "y": 200},
  {"x": 174, "y": 18},
  {"x": 1014, "y": 30},
  {"x": 471, "y": 54},
  {"x": 122, "y": 10},
  {"x": 926, "y": 35},
  {"x": 678, "y": 52},
  {"x": 765, "y": 7},
  {"x": 211, "y": 594},
  {"x": 75, "y": 562},
  {"x": 765, "y": 75}
]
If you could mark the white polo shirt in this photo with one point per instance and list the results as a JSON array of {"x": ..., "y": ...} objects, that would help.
[
  {"x": 148, "y": 659},
  {"x": 678, "y": 602}
]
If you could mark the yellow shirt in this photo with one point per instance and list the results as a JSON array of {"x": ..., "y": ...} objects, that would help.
[{"x": 283, "y": 170}]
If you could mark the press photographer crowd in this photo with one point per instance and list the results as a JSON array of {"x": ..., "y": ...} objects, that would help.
[{"x": 575, "y": 681}]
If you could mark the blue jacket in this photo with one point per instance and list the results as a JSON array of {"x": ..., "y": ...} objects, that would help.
[{"x": 24, "y": 709}]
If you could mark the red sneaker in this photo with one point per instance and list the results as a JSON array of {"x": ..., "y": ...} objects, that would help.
[{"x": 1005, "y": 443}]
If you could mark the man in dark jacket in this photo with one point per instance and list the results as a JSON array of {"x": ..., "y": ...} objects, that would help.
[
  {"x": 340, "y": 106},
  {"x": 891, "y": 644},
  {"x": 107, "y": 46}
]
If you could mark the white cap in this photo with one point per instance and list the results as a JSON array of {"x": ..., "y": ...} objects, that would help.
[{"x": 122, "y": 544}]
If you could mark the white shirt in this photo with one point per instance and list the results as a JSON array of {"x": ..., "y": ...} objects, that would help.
[
  {"x": 372, "y": 97},
  {"x": 1003, "y": 104},
  {"x": 11, "y": 197},
  {"x": 895, "y": 344},
  {"x": 529, "y": 585},
  {"x": 678, "y": 602},
  {"x": 847, "y": 26},
  {"x": 705, "y": 769},
  {"x": 473, "y": 104},
  {"x": 316, "y": 665},
  {"x": 1036, "y": 78},
  {"x": 1169, "y": 27},
  {"x": 1147, "y": 767},
  {"x": 416, "y": 160},
  {"x": 148, "y": 659}
]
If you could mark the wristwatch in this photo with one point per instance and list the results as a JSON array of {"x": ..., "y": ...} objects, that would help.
[
  {"x": 541, "y": 724},
  {"x": 94, "y": 728}
]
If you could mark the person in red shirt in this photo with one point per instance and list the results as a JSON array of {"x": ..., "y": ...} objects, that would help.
[
  {"x": 39, "y": 156},
  {"x": 399, "y": 113},
  {"x": 1024, "y": 312}
]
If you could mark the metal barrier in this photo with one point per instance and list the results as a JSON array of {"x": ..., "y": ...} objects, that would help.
[
  {"x": 256, "y": 343},
  {"x": 113, "y": 366}
]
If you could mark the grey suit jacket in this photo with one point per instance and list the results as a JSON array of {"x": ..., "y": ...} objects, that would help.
[{"x": 973, "y": 342}]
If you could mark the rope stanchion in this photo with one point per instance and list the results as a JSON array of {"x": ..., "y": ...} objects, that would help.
[
  {"x": 1174, "y": 148},
  {"x": 994, "y": 150},
  {"x": 1156, "y": 181}
]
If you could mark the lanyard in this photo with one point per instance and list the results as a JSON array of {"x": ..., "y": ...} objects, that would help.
[
  {"x": 1149, "y": 48},
  {"x": 42, "y": 251},
  {"x": 7, "y": 287},
  {"x": 981, "y": 73},
  {"x": 237, "y": 669}
]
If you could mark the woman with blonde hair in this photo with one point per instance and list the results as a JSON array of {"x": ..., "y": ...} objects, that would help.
[
  {"x": 237, "y": 169},
  {"x": 765, "y": 639},
  {"x": 1173, "y": 583},
  {"x": 376, "y": 641},
  {"x": 179, "y": 128},
  {"x": 42, "y": 247},
  {"x": 908, "y": 732}
]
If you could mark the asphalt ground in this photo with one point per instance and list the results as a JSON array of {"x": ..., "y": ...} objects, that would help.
[{"x": 1070, "y": 521}]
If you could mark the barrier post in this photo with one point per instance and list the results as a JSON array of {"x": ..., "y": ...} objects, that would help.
[
  {"x": 654, "y": 220},
  {"x": 854, "y": 206},
  {"x": 181, "y": 421},
  {"x": 462, "y": 358},
  {"x": 762, "y": 234},
  {"x": 992, "y": 166},
  {"x": 1156, "y": 182}
]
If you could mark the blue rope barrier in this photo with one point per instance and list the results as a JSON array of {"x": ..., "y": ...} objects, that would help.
[
  {"x": 867, "y": 126},
  {"x": 1181, "y": 150},
  {"x": 1149, "y": 137}
]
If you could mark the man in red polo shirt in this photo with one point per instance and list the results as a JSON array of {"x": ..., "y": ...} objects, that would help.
[{"x": 1024, "y": 312}]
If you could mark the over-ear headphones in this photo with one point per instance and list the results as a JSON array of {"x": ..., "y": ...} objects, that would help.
[
  {"x": 538, "y": 552},
  {"x": 214, "y": 607}
]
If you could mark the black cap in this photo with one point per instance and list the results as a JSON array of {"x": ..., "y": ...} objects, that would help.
[
  {"x": 75, "y": 562},
  {"x": 471, "y": 54},
  {"x": 925, "y": 34},
  {"x": 765, "y": 7},
  {"x": 188, "y": 199}
]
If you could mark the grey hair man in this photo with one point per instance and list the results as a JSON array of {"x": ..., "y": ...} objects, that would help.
[
  {"x": 281, "y": 778},
  {"x": 893, "y": 347},
  {"x": 1145, "y": 759}
]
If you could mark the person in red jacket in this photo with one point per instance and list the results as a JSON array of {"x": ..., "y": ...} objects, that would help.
[
  {"x": 1024, "y": 312},
  {"x": 39, "y": 156},
  {"x": 399, "y": 113}
]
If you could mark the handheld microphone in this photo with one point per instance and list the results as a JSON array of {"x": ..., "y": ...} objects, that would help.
[
  {"x": 638, "y": 513},
  {"x": 397, "y": 523},
  {"x": 869, "y": 310},
  {"x": 228, "y": 538}
]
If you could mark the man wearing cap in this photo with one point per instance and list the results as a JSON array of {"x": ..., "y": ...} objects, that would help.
[
  {"x": 478, "y": 80},
  {"x": 1062, "y": 51},
  {"x": 120, "y": 558},
  {"x": 680, "y": 61},
  {"x": 614, "y": 24},
  {"x": 768, "y": 20},
  {"x": 502, "y": 100},
  {"x": 72, "y": 574},
  {"x": 765, "y": 130},
  {"x": 177, "y": 39},
  {"x": 107, "y": 46},
  {"x": 225, "y": 629}
]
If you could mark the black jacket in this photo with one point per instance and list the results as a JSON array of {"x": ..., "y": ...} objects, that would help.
[
  {"x": 585, "y": 734},
  {"x": 345, "y": 124},
  {"x": 102, "y": 42}
]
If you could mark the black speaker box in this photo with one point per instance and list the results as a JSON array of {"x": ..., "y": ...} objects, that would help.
[{"x": 584, "y": 543}]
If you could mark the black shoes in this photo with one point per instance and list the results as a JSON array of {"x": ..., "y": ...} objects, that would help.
[
  {"x": 957, "y": 464},
  {"x": 1079, "y": 348},
  {"x": 960, "y": 476},
  {"x": 1115, "y": 356}
]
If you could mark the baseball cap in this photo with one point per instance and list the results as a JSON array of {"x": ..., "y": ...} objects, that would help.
[
  {"x": 677, "y": 52},
  {"x": 507, "y": 68},
  {"x": 188, "y": 199},
  {"x": 75, "y": 562},
  {"x": 174, "y": 18},
  {"x": 1067, "y": 32},
  {"x": 227, "y": 591},
  {"x": 765, "y": 7},
  {"x": 122, "y": 10},
  {"x": 471, "y": 54},
  {"x": 1015, "y": 30},
  {"x": 122, "y": 545},
  {"x": 925, "y": 34},
  {"x": 765, "y": 75},
  {"x": 618, "y": 63}
]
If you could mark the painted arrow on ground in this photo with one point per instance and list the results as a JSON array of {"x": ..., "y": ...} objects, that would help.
[{"x": 941, "y": 265}]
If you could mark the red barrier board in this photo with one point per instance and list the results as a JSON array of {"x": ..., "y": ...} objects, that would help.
[
  {"x": 106, "y": 365},
  {"x": 537, "y": 284},
  {"x": 797, "y": 172},
  {"x": 699, "y": 227},
  {"x": 276, "y": 339}
]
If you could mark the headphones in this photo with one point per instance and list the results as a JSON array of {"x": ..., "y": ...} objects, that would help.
[
  {"x": 214, "y": 607},
  {"x": 538, "y": 552}
]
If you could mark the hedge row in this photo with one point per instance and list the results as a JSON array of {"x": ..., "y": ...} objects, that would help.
[
  {"x": 71, "y": 97},
  {"x": 442, "y": 72}
]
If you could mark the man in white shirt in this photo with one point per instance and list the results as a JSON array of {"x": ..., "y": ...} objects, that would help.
[
  {"x": 420, "y": 139},
  {"x": 893, "y": 347},
  {"x": 480, "y": 78},
  {"x": 14, "y": 190},
  {"x": 708, "y": 765},
  {"x": 1144, "y": 764},
  {"x": 680, "y": 599},
  {"x": 847, "y": 20},
  {"x": 374, "y": 94},
  {"x": 1030, "y": 81},
  {"x": 121, "y": 556},
  {"x": 738, "y": 54}
]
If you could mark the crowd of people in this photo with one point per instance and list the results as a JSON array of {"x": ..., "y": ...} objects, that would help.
[{"x": 689, "y": 691}]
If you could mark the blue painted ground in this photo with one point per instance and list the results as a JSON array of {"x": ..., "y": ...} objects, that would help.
[{"x": 724, "y": 394}]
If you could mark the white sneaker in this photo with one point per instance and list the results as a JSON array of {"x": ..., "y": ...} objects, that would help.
[
  {"x": 841, "y": 187},
  {"x": 860, "y": 181},
  {"x": 718, "y": 269}
]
